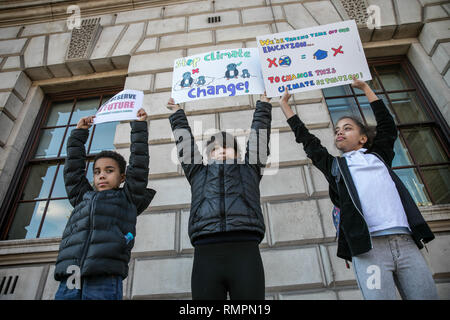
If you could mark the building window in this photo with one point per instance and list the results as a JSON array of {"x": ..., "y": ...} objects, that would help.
[
  {"x": 421, "y": 150},
  {"x": 41, "y": 208}
]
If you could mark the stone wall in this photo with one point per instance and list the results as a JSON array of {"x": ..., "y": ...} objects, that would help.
[{"x": 298, "y": 251}]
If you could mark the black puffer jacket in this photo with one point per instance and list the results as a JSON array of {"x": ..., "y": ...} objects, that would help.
[
  {"x": 225, "y": 196},
  {"x": 94, "y": 237}
]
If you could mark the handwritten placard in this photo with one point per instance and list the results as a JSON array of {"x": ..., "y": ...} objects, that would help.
[
  {"x": 123, "y": 106},
  {"x": 221, "y": 73},
  {"x": 313, "y": 58}
]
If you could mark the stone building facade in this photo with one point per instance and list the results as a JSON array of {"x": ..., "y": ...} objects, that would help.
[{"x": 132, "y": 44}]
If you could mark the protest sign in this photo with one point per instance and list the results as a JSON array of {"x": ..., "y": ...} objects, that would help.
[
  {"x": 123, "y": 106},
  {"x": 215, "y": 74},
  {"x": 312, "y": 58}
]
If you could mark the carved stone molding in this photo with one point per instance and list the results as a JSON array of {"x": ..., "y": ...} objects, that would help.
[
  {"x": 352, "y": 10},
  {"x": 83, "y": 40}
]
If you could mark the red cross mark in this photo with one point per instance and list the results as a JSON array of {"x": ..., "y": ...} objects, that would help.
[
  {"x": 338, "y": 50},
  {"x": 272, "y": 62},
  {"x": 194, "y": 71}
]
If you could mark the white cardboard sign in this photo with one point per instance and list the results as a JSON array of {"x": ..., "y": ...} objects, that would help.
[
  {"x": 123, "y": 106},
  {"x": 312, "y": 58},
  {"x": 220, "y": 73}
]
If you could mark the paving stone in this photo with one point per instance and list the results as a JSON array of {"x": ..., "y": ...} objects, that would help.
[
  {"x": 162, "y": 277},
  {"x": 155, "y": 232},
  {"x": 27, "y": 284},
  {"x": 136, "y": 15},
  {"x": 105, "y": 42},
  {"x": 441, "y": 57},
  {"x": 323, "y": 11},
  {"x": 142, "y": 82},
  {"x": 258, "y": 15},
  {"x": 232, "y": 4},
  {"x": 153, "y": 62},
  {"x": 169, "y": 197},
  {"x": 434, "y": 33},
  {"x": 294, "y": 222},
  {"x": 34, "y": 53},
  {"x": 163, "y": 159},
  {"x": 242, "y": 33},
  {"x": 292, "y": 267},
  {"x": 186, "y": 39},
  {"x": 129, "y": 39},
  {"x": 285, "y": 183},
  {"x": 12, "y": 46},
  {"x": 163, "y": 26},
  {"x": 149, "y": 44},
  {"x": 188, "y": 8}
]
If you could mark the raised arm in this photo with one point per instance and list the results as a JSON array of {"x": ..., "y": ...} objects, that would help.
[
  {"x": 75, "y": 166},
  {"x": 311, "y": 144},
  {"x": 137, "y": 170},
  {"x": 386, "y": 130},
  {"x": 258, "y": 143},
  {"x": 190, "y": 158}
]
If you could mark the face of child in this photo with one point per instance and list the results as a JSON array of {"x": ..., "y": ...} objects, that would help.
[
  {"x": 107, "y": 174},
  {"x": 347, "y": 136},
  {"x": 220, "y": 153}
]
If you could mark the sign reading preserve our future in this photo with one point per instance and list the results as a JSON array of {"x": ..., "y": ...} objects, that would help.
[
  {"x": 312, "y": 58},
  {"x": 213, "y": 74},
  {"x": 123, "y": 106}
]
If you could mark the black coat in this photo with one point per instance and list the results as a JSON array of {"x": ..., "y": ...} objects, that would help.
[
  {"x": 354, "y": 237},
  {"x": 225, "y": 196},
  {"x": 94, "y": 237}
]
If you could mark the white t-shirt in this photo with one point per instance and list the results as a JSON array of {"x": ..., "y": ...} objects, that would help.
[{"x": 381, "y": 204}]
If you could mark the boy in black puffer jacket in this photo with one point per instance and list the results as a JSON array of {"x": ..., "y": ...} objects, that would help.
[
  {"x": 226, "y": 224},
  {"x": 96, "y": 244}
]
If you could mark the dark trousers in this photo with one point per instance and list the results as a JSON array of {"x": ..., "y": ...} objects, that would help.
[
  {"x": 231, "y": 267},
  {"x": 93, "y": 288}
]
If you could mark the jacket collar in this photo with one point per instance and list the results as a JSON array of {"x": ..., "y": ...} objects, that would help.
[{"x": 354, "y": 152}]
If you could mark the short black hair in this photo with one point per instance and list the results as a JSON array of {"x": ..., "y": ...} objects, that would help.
[
  {"x": 369, "y": 132},
  {"x": 223, "y": 139},
  {"x": 113, "y": 155}
]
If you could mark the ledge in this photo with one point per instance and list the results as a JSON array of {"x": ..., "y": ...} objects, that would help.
[{"x": 19, "y": 12}]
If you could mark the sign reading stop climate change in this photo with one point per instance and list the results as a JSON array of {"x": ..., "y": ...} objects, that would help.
[
  {"x": 313, "y": 58},
  {"x": 123, "y": 106},
  {"x": 222, "y": 73}
]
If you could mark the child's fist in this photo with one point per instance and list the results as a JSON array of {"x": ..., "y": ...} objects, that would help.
[
  {"x": 361, "y": 85},
  {"x": 171, "y": 105},
  {"x": 264, "y": 97},
  {"x": 85, "y": 122},
  {"x": 286, "y": 96},
  {"x": 141, "y": 114}
]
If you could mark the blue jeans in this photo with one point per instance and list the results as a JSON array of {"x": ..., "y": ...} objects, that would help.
[{"x": 93, "y": 288}]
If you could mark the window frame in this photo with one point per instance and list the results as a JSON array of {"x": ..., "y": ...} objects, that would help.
[
  {"x": 436, "y": 121},
  {"x": 20, "y": 178}
]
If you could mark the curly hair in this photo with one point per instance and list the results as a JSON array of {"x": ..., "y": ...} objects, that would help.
[{"x": 113, "y": 155}]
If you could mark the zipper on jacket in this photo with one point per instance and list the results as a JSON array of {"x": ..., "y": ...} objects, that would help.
[
  {"x": 88, "y": 240},
  {"x": 351, "y": 197},
  {"x": 222, "y": 197}
]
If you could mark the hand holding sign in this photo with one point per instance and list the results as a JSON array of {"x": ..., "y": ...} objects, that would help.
[
  {"x": 85, "y": 122},
  {"x": 171, "y": 105},
  {"x": 141, "y": 115},
  {"x": 123, "y": 106}
]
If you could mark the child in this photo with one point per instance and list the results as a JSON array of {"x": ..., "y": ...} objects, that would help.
[
  {"x": 226, "y": 223},
  {"x": 97, "y": 241},
  {"x": 380, "y": 226}
]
